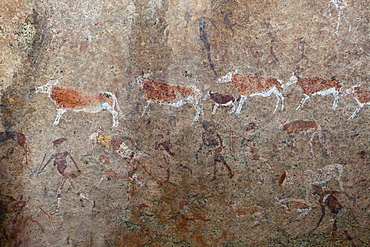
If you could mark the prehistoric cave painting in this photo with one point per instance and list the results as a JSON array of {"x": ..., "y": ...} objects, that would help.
[
  {"x": 167, "y": 94},
  {"x": 212, "y": 140},
  {"x": 250, "y": 86},
  {"x": 204, "y": 38},
  {"x": 292, "y": 205},
  {"x": 302, "y": 126},
  {"x": 20, "y": 138},
  {"x": 327, "y": 199},
  {"x": 16, "y": 219},
  {"x": 60, "y": 161},
  {"x": 302, "y": 49},
  {"x": 254, "y": 212},
  {"x": 222, "y": 100},
  {"x": 309, "y": 178},
  {"x": 316, "y": 86},
  {"x": 165, "y": 145},
  {"x": 126, "y": 148},
  {"x": 339, "y": 5},
  {"x": 70, "y": 99},
  {"x": 362, "y": 97}
]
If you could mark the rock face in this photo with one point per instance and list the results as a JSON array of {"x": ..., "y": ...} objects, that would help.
[{"x": 157, "y": 177}]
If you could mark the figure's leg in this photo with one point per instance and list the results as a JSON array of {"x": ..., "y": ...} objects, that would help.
[
  {"x": 59, "y": 195},
  {"x": 242, "y": 100},
  {"x": 227, "y": 166},
  {"x": 305, "y": 97},
  {"x": 214, "y": 169},
  {"x": 60, "y": 112},
  {"x": 80, "y": 194},
  {"x": 322, "y": 216}
]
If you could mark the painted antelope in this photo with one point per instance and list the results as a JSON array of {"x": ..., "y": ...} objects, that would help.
[
  {"x": 250, "y": 86},
  {"x": 301, "y": 126},
  {"x": 163, "y": 93},
  {"x": 222, "y": 100},
  {"x": 316, "y": 86},
  {"x": 70, "y": 99},
  {"x": 309, "y": 178},
  {"x": 362, "y": 97}
]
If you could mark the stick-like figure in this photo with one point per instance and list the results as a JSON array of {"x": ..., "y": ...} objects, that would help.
[
  {"x": 212, "y": 139},
  {"x": 60, "y": 161}
]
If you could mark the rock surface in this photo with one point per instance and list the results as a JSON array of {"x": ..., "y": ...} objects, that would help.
[{"x": 159, "y": 178}]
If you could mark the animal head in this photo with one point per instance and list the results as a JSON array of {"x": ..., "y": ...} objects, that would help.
[
  {"x": 227, "y": 78},
  {"x": 47, "y": 88},
  {"x": 351, "y": 90},
  {"x": 291, "y": 81}
]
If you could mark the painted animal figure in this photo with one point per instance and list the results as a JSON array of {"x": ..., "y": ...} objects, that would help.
[
  {"x": 362, "y": 97},
  {"x": 316, "y": 86},
  {"x": 250, "y": 86},
  {"x": 300, "y": 126},
  {"x": 309, "y": 178},
  {"x": 222, "y": 100},
  {"x": 70, "y": 99},
  {"x": 167, "y": 94}
]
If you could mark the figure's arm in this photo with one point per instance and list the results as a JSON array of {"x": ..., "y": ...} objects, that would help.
[
  {"x": 74, "y": 162},
  {"x": 47, "y": 163}
]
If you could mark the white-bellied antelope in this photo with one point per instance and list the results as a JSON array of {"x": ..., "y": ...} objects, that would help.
[
  {"x": 362, "y": 97},
  {"x": 316, "y": 86},
  {"x": 250, "y": 86},
  {"x": 167, "y": 94},
  {"x": 70, "y": 99}
]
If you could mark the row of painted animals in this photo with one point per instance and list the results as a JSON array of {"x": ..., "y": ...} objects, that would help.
[{"x": 174, "y": 95}]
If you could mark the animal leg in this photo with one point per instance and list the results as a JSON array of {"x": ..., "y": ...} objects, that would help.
[
  {"x": 305, "y": 97},
  {"x": 336, "y": 99},
  {"x": 147, "y": 108},
  {"x": 323, "y": 143},
  {"x": 277, "y": 102},
  {"x": 242, "y": 100},
  {"x": 60, "y": 112},
  {"x": 214, "y": 108},
  {"x": 197, "y": 113},
  {"x": 234, "y": 108},
  {"x": 356, "y": 112},
  {"x": 311, "y": 143},
  {"x": 114, "y": 115}
]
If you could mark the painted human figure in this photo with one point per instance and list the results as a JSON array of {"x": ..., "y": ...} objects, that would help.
[
  {"x": 60, "y": 161},
  {"x": 212, "y": 140}
]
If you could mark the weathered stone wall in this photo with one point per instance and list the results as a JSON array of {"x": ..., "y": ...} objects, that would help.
[{"x": 159, "y": 178}]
